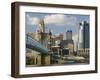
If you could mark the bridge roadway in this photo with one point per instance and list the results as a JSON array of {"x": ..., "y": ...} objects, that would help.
[{"x": 35, "y": 45}]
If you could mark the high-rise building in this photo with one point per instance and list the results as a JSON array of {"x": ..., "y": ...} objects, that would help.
[
  {"x": 84, "y": 35},
  {"x": 70, "y": 43},
  {"x": 69, "y": 35}
]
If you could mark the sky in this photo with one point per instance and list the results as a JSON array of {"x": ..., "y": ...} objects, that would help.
[{"x": 58, "y": 23}]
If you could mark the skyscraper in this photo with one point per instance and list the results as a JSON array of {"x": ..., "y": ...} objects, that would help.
[
  {"x": 69, "y": 35},
  {"x": 84, "y": 35},
  {"x": 70, "y": 43}
]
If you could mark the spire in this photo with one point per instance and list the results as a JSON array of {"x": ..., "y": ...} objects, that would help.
[
  {"x": 50, "y": 33},
  {"x": 42, "y": 24}
]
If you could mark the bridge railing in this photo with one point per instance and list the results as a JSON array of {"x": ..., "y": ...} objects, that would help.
[{"x": 35, "y": 45}]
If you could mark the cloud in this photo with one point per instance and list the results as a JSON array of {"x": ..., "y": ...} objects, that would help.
[
  {"x": 60, "y": 19},
  {"x": 32, "y": 20},
  {"x": 55, "y": 19},
  {"x": 71, "y": 20}
]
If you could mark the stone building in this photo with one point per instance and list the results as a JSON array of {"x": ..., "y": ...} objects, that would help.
[
  {"x": 33, "y": 57},
  {"x": 70, "y": 43},
  {"x": 37, "y": 59}
]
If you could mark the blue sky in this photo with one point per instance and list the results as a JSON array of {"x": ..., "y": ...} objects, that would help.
[{"x": 58, "y": 23}]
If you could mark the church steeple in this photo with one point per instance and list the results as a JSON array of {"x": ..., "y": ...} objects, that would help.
[{"x": 42, "y": 25}]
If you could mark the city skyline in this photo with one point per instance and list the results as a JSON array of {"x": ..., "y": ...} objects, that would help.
[
  {"x": 58, "y": 23},
  {"x": 56, "y": 39}
]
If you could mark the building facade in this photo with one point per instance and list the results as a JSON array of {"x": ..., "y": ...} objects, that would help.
[
  {"x": 34, "y": 58},
  {"x": 84, "y": 37},
  {"x": 70, "y": 43}
]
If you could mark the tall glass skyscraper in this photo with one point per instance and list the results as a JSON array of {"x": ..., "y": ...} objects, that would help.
[{"x": 84, "y": 36}]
